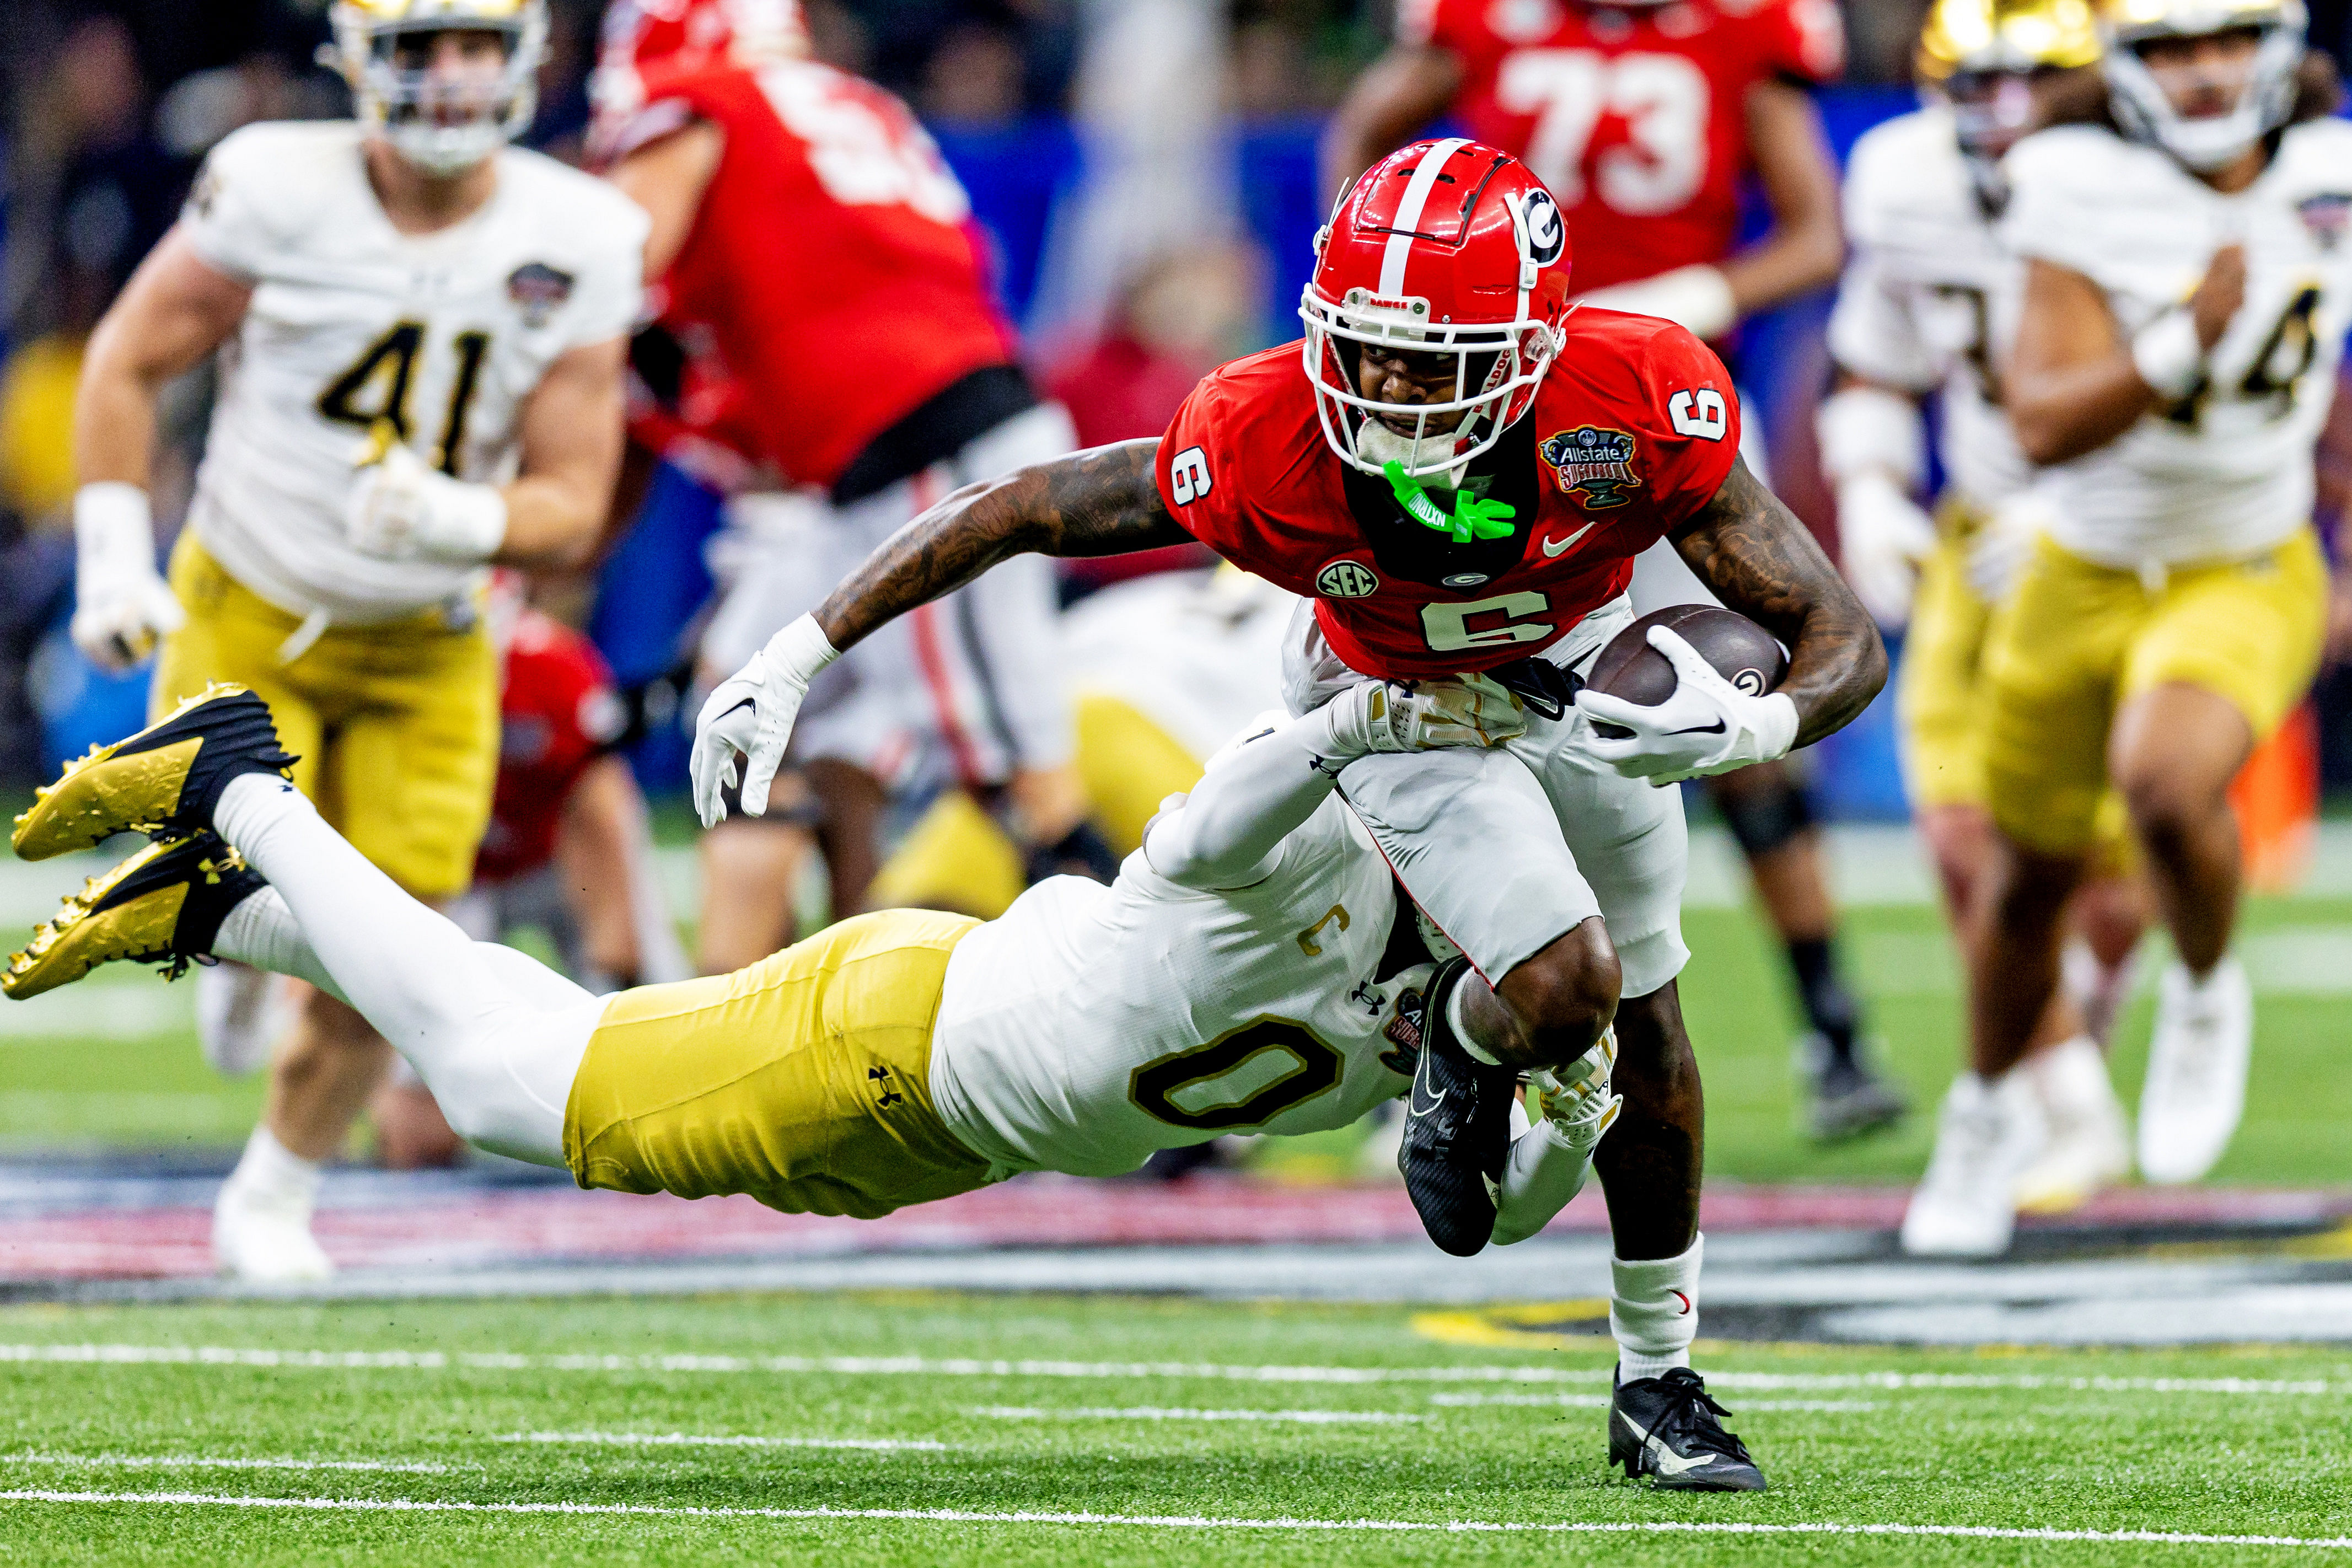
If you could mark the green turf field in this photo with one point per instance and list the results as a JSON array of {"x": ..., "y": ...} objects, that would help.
[
  {"x": 113, "y": 1060},
  {"x": 512, "y": 1416}
]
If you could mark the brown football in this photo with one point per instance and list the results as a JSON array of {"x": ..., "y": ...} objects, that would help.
[{"x": 1742, "y": 652}]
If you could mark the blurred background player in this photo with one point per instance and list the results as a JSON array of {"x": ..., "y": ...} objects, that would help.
[
  {"x": 797, "y": 209},
  {"x": 1926, "y": 309},
  {"x": 429, "y": 330},
  {"x": 1645, "y": 119},
  {"x": 2186, "y": 299},
  {"x": 569, "y": 852}
]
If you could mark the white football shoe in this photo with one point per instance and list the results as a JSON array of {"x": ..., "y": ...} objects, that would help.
[
  {"x": 241, "y": 1014},
  {"x": 1966, "y": 1206},
  {"x": 2089, "y": 1147},
  {"x": 264, "y": 1237},
  {"x": 2196, "y": 1088}
]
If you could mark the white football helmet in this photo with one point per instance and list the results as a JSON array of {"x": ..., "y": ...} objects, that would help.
[
  {"x": 407, "y": 108},
  {"x": 2144, "y": 111}
]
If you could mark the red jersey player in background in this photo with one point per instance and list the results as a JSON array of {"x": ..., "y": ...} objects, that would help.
[
  {"x": 1646, "y": 120},
  {"x": 809, "y": 239},
  {"x": 1456, "y": 471}
]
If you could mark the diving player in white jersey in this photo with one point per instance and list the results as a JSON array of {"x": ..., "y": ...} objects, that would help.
[
  {"x": 422, "y": 333},
  {"x": 1248, "y": 971},
  {"x": 2186, "y": 294},
  {"x": 1928, "y": 307}
]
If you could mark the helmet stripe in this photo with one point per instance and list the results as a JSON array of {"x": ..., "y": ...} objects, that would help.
[{"x": 1408, "y": 217}]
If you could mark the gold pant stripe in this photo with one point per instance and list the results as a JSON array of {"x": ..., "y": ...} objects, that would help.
[{"x": 803, "y": 1080}]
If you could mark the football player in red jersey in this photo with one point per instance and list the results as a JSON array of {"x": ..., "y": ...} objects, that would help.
[
  {"x": 1458, "y": 470},
  {"x": 808, "y": 237},
  {"x": 1645, "y": 118}
]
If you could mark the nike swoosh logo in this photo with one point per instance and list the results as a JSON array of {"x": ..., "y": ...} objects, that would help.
[
  {"x": 1549, "y": 549},
  {"x": 1714, "y": 729},
  {"x": 1423, "y": 1103},
  {"x": 1669, "y": 1463}
]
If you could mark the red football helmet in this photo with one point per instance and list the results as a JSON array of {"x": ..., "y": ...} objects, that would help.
[
  {"x": 646, "y": 39},
  {"x": 1454, "y": 249}
]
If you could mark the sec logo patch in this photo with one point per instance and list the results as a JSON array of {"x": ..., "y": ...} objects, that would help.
[{"x": 1347, "y": 580}]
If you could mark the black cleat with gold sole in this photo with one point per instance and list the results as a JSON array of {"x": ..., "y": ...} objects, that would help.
[
  {"x": 166, "y": 779},
  {"x": 163, "y": 905}
]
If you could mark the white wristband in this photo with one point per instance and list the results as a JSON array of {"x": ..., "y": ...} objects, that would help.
[
  {"x": 108, "y": 512},
  {"x": 2168, "y": 354},
  {"x": 800, "y": 651},
  {"x": 1697, "y": 297},
  {"x": 1868, "y": 429},
  {"x": 1778, "y": 732},
  {"x": 469, "y": 524}
]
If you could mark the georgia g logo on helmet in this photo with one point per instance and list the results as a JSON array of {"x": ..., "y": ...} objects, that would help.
[{"x": 1547, "y": 230}]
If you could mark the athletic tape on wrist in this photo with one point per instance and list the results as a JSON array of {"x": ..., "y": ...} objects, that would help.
[
  {"x": 1867, "y": 430},
  {"x": 2169, "y": 355}
]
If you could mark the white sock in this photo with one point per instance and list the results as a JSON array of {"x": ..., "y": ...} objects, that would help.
[
  {"x": 262, "y": 931},
  {"x": 497, "y": 1038},
  {"x": 1653, "y": 1312},
  {"x": 268, "y": 1169}
]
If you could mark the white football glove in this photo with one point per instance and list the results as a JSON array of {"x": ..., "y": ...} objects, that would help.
[
  {"x": 750, "y": 716},
  {"x": 121, "y": 604},
  {"x": 1884, "y": 535},
  {"x": 1706, "y": 726},
  {"x": 1428, "y": 715},
  {"x": 2003, "y": 545},
  {"x": 400, "y": 508}
]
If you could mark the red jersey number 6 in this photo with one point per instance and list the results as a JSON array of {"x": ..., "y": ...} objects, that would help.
[{"x": 1188, "y": 476}]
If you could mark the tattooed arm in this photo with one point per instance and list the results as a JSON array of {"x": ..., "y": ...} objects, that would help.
[
  {"x": 1104, "y": 502},
  {"x": 1761, "y": 562}
]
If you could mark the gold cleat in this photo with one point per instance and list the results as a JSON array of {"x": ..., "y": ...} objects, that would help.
[
  {"x": 165, "y": 779},
  {"x": 163, "y": 905}
]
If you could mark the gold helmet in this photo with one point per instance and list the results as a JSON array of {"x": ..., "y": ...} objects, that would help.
[
  {"x": 2006, "y": 37},
  {"x": 399, "y": 100},
  {"x": 2144, "y": 111}
]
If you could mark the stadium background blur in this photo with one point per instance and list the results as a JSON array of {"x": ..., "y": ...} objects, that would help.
[{"x": 1146, "y": 171}]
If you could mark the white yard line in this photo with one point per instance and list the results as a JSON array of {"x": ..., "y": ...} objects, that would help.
[
  {"x": 1176, "y": 1521},
  {"x": 699, "y": 1440},
  {"x": 1601, "y": 1400},
  {"x": 211, "y": 1462},
  {"x": 925, "y": 1366},
  {"x": 1160, "y": 1413}
]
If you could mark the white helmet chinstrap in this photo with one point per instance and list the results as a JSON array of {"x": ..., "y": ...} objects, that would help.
[
  {"x": 441, "y": 127},
  {"x": 2146, "y": 111}
]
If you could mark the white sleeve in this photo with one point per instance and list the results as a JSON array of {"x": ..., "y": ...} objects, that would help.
[
  {"x": 2053, "y": 214},
  {"x": 1228, "y": 833},
  {"x": 1872, "y": 332},
  {"x": 1543, "y": 1173},
  {"x": 612, "y": 288},
  {"x": 227, "y": 217}
]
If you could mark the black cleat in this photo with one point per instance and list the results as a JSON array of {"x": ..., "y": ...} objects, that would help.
[
  {"x": 1457, "y": 1130},
  {"x": 1848, "y": 1099},
  {"x": 164, "y": 780},
  {"x": 163, "y": 905},
  {"x": 1665, "y": 1427}
]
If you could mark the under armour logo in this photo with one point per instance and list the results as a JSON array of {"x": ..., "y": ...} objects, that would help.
[
  {"x": 1368, "y": 999},
  {"x": 889, "y": 1096}
]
